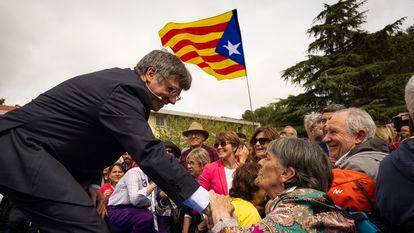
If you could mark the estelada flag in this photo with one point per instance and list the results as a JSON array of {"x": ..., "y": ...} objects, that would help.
[{"x": 214, "y": 44}]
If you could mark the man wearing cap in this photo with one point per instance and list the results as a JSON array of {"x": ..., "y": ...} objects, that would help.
[
  {"x": 172, "y": 149},
  {"x": 196, "y": 136},
  {"x": 55, "y": 147}
]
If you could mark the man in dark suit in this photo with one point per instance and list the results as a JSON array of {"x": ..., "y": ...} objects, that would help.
[{"x": 55, "y": 147}]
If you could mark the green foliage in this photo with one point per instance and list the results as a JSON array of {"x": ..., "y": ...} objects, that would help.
[
  {"x": 2, "y": 100},
  {"x": 341, "y": 23},
  {"x": 349, "y": 66}
]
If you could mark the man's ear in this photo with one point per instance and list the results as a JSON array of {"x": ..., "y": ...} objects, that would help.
[
  {"x": 149, "y": 75},
  {"x": 288, "y": 174},
  {"x": 360, "y": 137}
]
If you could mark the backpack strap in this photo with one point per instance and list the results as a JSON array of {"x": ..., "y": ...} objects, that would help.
[
  {"x": 357, "y": 216},
  {"x": 365, "y": 193},
  {"x": 361, "y": 220}
]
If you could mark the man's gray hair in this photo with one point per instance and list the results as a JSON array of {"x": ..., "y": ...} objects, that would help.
[
  {"x": 409, "y": 95},
  {"x": 358, "y": 119},
  {"x": 333, "y": 108},
  {"x": 166, "y": 64},
  {"x": 310, "y": 119},
  {"x": 311, "y": 165}
]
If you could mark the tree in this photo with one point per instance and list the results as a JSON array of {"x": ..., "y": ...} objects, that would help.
[
  {"x": 2, "y": 100},
  {"x": 350, "y": 66}
]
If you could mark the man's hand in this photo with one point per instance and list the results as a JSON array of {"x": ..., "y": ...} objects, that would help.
[{"x": 98, "y": 201}]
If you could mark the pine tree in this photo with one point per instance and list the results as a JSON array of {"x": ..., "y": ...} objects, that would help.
[{"x": 348, "y": 65}]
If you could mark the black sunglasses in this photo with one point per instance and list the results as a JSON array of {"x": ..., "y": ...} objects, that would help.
[
  {"x": 262, "y": 141},
  {"x": 222, "y": 144}
]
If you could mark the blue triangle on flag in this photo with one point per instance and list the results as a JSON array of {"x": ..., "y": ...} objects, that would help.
[{"x": 230, "y": 44}]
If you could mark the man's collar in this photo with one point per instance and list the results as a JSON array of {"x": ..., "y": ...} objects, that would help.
[{"x": 340, "y": 160}]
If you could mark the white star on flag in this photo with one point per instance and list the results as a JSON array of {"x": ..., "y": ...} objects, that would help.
[{"x": 232, "y": 48}]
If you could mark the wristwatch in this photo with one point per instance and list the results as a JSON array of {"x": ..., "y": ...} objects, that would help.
[{"x": 224, "y": 223}]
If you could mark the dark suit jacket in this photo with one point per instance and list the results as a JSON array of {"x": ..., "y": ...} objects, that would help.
[{"x": 68, "y": 135}]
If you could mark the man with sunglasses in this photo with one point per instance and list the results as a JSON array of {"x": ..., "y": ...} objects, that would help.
[{"x": 55, "y": 147}]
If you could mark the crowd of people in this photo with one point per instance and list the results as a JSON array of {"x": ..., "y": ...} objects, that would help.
[
  {"x": 258, "y": 179},
  {"x": 271, "y": 182}
]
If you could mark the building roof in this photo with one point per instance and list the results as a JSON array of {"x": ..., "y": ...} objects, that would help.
[
  {"x": 6, "y": 108},
  {"x": 193, "y": 115}
]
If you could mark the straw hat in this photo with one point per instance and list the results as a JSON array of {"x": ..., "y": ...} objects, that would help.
[{"x": 196, "y": 127}]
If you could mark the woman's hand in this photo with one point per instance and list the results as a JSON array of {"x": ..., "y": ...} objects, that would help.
[
  {"x": 98, "y": 201},
  {"x": 201, "y": 226},
  {"x": 163, "y": 194},
  {"x": 107, "y": 193},
  {"x": 220, "y": 207},
  {"x": 242, "y": 154},
  {"x": 151, "y": 186}
]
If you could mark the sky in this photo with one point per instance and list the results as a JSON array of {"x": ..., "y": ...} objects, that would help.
[{"x": 46, "y": 42}]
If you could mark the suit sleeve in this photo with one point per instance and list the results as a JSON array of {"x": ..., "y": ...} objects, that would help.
[{"x": 123, "y": 115}]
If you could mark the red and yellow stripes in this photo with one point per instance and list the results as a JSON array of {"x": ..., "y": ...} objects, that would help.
[{"x": 195, "y": 43}]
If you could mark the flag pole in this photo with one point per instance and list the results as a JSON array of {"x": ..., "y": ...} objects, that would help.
[
  {"x": 250, "y": 99},
  {"x": 248, "y": 91},
  {"x": 247, "y": 79}
]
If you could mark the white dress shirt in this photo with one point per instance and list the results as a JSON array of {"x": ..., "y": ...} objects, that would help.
[{"x": 132, "y": 190}]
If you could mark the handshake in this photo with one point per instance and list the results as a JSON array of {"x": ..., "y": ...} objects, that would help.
[{"x": 220, "y": 213}]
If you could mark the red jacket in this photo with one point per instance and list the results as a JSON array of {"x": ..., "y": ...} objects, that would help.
[{"x": 213, "y": 177}]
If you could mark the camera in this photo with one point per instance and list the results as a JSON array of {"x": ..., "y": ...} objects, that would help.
[
  {"x": 164, "y": 202},
  {"x": 401, "y": 120}
]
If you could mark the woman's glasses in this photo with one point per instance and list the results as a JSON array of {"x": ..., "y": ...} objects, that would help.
[
  {"x": 222, "y": 144},
  {"x": 262, "y": 141}
]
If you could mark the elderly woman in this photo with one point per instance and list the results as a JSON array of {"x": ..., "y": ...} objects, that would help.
[
  {"x": 295, "y": 174},
  {"x": 218, "y": 176},
  {"x": 192, "y": 221}
]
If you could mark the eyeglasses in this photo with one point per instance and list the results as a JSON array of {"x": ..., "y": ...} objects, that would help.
[
  {"x": 222, "y": 144},
  {"x": 173, "y": 90},
  {"x": 262, "y": 141},
  {"x": 194, "y": 134}
]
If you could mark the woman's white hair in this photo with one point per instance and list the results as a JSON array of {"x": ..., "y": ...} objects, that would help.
[{"x": 409, "y": 95}]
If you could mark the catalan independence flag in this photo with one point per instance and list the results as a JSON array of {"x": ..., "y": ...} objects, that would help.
[{"x": 214, "y": 44}]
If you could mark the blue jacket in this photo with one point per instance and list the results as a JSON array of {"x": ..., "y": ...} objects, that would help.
[{"x": 395, "y": 188}]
